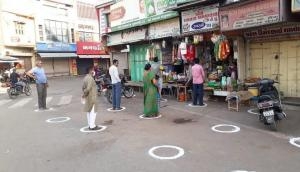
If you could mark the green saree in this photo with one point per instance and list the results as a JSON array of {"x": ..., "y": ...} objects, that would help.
[{"x": 150, "y": 95}]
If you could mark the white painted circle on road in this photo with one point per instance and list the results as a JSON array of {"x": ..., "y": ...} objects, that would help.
[
  {"x": 41, "y": 110},
  {"x": 111, "y": 109},
  {"x": 294, "y": 140},
  {"x": 155, "y": 117},
  {"x": 179, "y": 154},
  {"x": 163, "y": 100},
  {"x": 242, "y": 171},
  {"x": 86, "y": 129},
  {"x": 252, "y": 111},
  {"x": 235, "y": 128},
  {"x": 58, "y": 119},
  {"x": 191, "y": 105}
]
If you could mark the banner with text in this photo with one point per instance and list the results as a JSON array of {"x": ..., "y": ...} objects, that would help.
[
  {"x": 163, "y": 29},
  {"x": 249, "y": 15}
]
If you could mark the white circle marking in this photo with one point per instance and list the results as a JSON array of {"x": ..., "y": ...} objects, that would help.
[
  {"x": 252, "y": 111},
  {"x": 155, "y": 117},
  {"x": 191, "y": 105},
  {"x": 86, "y": 130},
  {"x": 179, "y": 154},
  {"x": 58, "y": 119},
  {"x": 236, "y": 129},
  {"x": 294, "y": 140},
  {"x": 111, "y": 109}
]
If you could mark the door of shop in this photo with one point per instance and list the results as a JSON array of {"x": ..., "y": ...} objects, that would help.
[
  {"x": 279, "y": 61},
  {"x": 83, "y": 64},
  {"x": 137, "y": 61}
]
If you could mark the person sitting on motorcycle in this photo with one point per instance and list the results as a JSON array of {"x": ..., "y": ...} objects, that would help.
[{"x": 15, "y": 80}]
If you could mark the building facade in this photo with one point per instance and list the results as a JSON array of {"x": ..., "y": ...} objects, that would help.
[{"x": 17, "y": 37}]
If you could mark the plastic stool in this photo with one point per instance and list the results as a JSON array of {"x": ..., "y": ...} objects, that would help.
[{"x": 233, "y": 103}]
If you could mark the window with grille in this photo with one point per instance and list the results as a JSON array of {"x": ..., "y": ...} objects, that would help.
[{"x": 56, "y": 31}]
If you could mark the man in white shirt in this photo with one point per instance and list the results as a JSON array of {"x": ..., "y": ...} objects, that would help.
[{"x": 116, "y": 85}]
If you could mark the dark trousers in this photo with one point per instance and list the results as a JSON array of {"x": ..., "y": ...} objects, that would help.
[
  {"x": 42, "y": 95},
  {"x": 116, "y": 93},
  {"x": 197, "y": 94}
]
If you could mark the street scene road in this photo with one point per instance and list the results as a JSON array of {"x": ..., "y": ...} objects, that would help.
[{"x": 192, "y": 139}]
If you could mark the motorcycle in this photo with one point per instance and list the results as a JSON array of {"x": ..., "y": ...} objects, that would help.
[
  {"x": 102, "y": 82},
  {"x": 16, "y": 90},
  {"x": 127, "y": 91},
  {"x": 269, "y": 103}
]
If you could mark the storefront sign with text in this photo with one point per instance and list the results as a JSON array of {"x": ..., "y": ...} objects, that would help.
[
  {"x": 249, "y": 15},
  {"x": 200, "y": 19},
  {"x": 272, "y": 31},
  {"x": 93, "y": 48}
]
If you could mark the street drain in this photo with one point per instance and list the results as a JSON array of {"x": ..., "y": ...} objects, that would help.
[
  {"x": 182, "y": 120},
  {"x": 109, "y": 122}
]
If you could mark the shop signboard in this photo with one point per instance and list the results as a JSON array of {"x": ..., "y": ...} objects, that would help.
[
  {"x": 163, "y": 29},
  {"x": 200, "y": 19},
  {"x": 55, "y": 46},
  {"x": 148, "y": 11},
  {"x": 127, "y": 36},
  {"x": 271, "y": 32},
  {"x": 253, "y": 14},
  {"x": 295, "y": 5},
  {"x": 103, "y": 23},
  {"x": 90, "y": 48}
]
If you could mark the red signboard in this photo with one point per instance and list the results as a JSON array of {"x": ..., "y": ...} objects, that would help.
[
  {"x": 92, "y": 48},
  {"x": 248, "y": 15}
]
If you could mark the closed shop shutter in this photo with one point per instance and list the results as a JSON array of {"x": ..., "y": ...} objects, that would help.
[
  {"x": 61, "y": 67},
  {"x": 285, "y": 68},
  {"x": 123, "y": 61},
  {"x": 48, "y": 66},
  {"x": 83, "y": 64}
]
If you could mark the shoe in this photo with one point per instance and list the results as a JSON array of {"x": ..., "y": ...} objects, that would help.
[
  {"x": 202, "y": 105},
  {"x": 114, "y": 108},
  {"x": 95, "y": 128},
  {"x": 118, "y": 109}
]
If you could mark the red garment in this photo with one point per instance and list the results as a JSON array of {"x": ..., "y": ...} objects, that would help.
[{"x": 190, "y": 55}]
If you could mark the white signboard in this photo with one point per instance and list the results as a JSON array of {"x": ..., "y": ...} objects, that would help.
[
  {"x": 126, "y": 11},
  {"x": 200, "y": 19},
  {"x": 127, "y": 36},
  {"x": 164, "y": 29}
]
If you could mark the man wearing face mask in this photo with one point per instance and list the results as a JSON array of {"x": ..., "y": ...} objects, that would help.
[
  {"x": 89, "y": 89},
  {"x": 116, "y": 85}
]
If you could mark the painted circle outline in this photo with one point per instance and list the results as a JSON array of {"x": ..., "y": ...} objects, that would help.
[
  {"x": 251, "y": 111},
  {"x": 237, "y": 129},
  {"x": 92, "y": 131},
  {"x": 191, "y": 105},
  {"x": 179, "y": 154},
  {"x": 111, "y": 109},
  {"x": 156, "y": 117},
  {"x": 163, "y": 100},
  {"x": 38, "y": 110},
  {"x": 293, "y": 141},
  {"x": 53, "y": 122}
]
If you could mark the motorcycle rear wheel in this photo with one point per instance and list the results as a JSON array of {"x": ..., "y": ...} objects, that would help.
[
  {"x": 109, "y": 96},
  {"x": 12, "y": 93},
  {"x": 28, "y": 90},
  {"x": 128, "y": 92}
]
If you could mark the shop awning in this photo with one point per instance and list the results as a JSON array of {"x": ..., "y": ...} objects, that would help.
[
  {"x": 94, "y": 56},
  {"x": 8, "y": 59},
  {"x": 57, "y": 55}
]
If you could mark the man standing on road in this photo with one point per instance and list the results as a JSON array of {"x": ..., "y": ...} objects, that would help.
[
  {"x": 116, "y": 85},
  {"x": 38, "y": 73},
  {"x": 198, "y": 79},
  {"x": 89, "y": 89}
]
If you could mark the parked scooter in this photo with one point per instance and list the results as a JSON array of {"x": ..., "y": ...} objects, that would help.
[{"x": 269, "y": 103}]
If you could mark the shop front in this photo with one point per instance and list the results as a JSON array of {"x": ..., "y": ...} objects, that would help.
[
  {"x": 57, "y": 57},
  {"x": 90, "y": 54},
  {"x": 272, "y": 41}
]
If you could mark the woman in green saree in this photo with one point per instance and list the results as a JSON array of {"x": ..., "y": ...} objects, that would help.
[{"x": 150, "y": 93}]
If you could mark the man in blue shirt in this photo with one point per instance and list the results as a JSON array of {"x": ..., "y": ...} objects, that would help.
[{"x": 41, "y": 84}]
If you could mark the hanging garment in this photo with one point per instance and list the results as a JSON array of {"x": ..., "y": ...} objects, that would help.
[{"x": 190, "y": 55}]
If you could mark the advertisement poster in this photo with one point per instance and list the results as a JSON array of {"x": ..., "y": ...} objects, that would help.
[
  {"x": 295, "y": 5},
  {"x": 250, "y": 15},
  {"x": 200, "y": 19},
  {"x": 122, "y": 15},
  {"x": 164, "y": 29}
]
